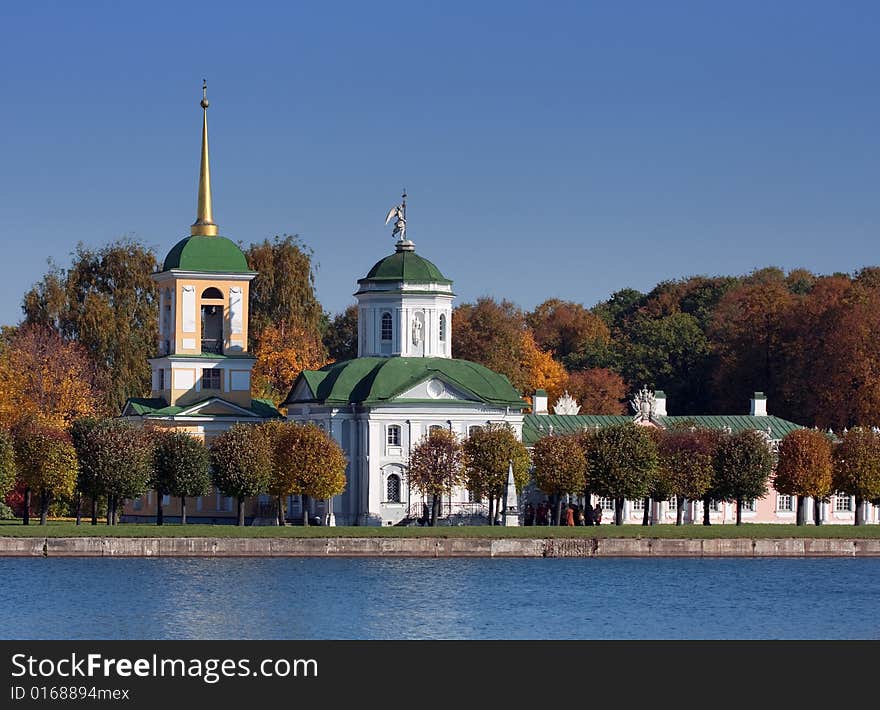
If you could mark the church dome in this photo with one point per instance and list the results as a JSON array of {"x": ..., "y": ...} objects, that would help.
[
  {"x": 206, "y": 253},
  {"x": 406, "y": 266}
]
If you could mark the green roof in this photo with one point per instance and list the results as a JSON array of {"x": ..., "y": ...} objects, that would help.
[
  {"x": 537, "y": 425},
  {"x": 211, "y": 254},
  {"x": 379, "y": 380},
  {"x": 405, "y": 266},
  {"x": 158, "y": 407}
]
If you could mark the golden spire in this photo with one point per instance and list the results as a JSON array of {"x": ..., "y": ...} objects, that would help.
[{"x": 204, "y": 224}]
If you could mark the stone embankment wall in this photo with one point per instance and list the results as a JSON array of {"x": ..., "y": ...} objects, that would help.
[{"x": 432, "y": 547}]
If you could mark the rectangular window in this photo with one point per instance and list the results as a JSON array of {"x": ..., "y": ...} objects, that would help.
[
  {"x": 387, "y": 328},
  {"x": 606, "y": 503},
  {"x": 842, "y": 502},
  {"x": 211, "y": 379},
  {"x": 783, "y": 503},
  {"x": 713, "y": 506},
  {"x": 394, "y": 435},
  {"x": 673, "y": 503},
  {"x": 162, "y": 379},
  {"x": 639, "y": 504},
  {"x": 749, "y": 506}
]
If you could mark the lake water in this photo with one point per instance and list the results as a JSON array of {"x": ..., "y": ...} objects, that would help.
[{"x": 374, "y": 598}]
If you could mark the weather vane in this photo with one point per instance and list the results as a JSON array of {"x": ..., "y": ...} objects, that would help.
[{"x": 398, "y": 213}]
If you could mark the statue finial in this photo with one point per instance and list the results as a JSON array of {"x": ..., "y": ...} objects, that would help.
[
  {"x": 204, "y": 224},
  {"x": 398, "y": 214}
]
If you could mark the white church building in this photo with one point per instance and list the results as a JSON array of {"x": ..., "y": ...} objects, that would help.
[{"x": 403, "y": 384}]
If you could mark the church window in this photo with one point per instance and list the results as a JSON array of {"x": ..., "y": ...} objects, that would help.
[
  {"x": 386, "y": 326},
  {"x": 211, "y": 379},
  {"x": 212, "y": 293},
  {"x": 212, "y": 329},
  {"x": 442, "y": 327},
  {"x": 393, "y": 435},
  {"x": 392, "y": 487}
]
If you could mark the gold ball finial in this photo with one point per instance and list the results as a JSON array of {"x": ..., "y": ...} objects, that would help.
[{"x": 204, "y": 101}]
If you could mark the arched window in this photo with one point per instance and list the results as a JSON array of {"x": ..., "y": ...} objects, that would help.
[
  {"x": 392, "y": 488},
  {"x": 212, "y": 329},
  {"x": 442, "y": 327},
  {"x": 393, "y": 435},
  {"x": 212, "y": 293},
  {"x": 386, "y": 326}
]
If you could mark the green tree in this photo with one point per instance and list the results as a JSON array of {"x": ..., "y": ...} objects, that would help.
[
  {"x": 488, "y": 451},
  {"x": 742, "y": 463},
  {"x": 341, "y": 335},
  {"x": 857, "y": 467},
  {"x": 283, "y": 291},
  {"x": 805, "y": 468},
  {"x": 86, "y": 481},
  {"x": 46, "y": 462},
  {"x": 107, "y": 302},
  {"x": 181, "y": 468},
  {"x": 241, "y": 463},
  {"x": 685, "y": 465},
  {"x": 116, "y": 461},
  {"x": 559, "y": 467},
  {"x": 436, "y": 467},
  {"x": 622, "y": 461}
]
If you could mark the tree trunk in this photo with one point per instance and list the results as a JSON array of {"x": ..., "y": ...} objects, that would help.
[
  {"x": 817, "y": 511},
  {"x": 281, "y": 521},
  {"x": 26, "y": 515},
  {"x": 305, "y": 505},
  {"x": 109, "y": 510},
  {"x": 801, "y": 511},
  {"x": 117, "y": 504},
  {"x": 183, "y": 510},
  {"x": 558, "y": 509},
  {"x": 679, "y": 509},
  {"x": 94, "y": 510},
  {"x": 739, "y": 511},
  {"x": 435, "y": 510},
  {"x": 618, "y": 511},
  {"x": 706, "y": 519},
  {"x": 859, "y": 517},
  {"x": 240, "y": 512},
  {"x": 160, "y": 509},
  {"x": 44, "y": 507},
  {"x": 79, "y": 508},
  {"x": 646, "y": 517}
]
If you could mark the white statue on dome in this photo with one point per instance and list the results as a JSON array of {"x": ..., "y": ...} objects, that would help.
[{"x": 398, "y": 213}]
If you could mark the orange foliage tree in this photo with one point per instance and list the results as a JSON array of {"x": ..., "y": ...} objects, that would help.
[
  {"x": 280, "y": 359},
  {"x": 565, "y": 327},
  {"x": 45, "y": 378},
  {"x": 539, "y": 370},
  {"x": 598, "y": 391}
]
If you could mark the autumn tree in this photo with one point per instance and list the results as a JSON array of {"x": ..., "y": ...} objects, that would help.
[
  {"x": 559, "y": 468},
  {"x": 742, "y": 465},
  {"x": 489, "y": 450},
  {"x": 540, "y": 370},
  {"x": 804, "y": 468},
  {"x": 857, "y": 468},
  {"x": 341, "y": 335},
  {"x": 622, "y": 461},
  {"x": 107, "y": 302},
  {"x": 436, "y": 467},
  {"x": 46, "y": 462},
  {"x": 279, "y": 361},
  {"x": 181, "y": 468},
  {"x": 491, "y": 333},
  {"x": 44, "y": 377},
  {"x": 116, "y": 461},
  {"x": 309, "y": 462},
  {"x": 241, "y": 464},
  {"x": 598, "y": 391},
  {"x": 7, "y": 463},
  {"x": 685, "y": 465},
  {"x": 563, "y": 327}
]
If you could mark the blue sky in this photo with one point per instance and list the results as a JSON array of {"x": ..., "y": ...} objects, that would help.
[{"x": 563, "y": 149}]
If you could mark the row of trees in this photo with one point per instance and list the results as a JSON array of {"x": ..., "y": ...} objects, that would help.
[
  {"x": 111, "y": 460},
  {"x": 629, "y": 462}
]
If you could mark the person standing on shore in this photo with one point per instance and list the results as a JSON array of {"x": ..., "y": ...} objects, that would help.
[{"x": 597, "y": 514}]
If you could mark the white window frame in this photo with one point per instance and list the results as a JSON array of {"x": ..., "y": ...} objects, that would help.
[
  {"x": 784, "y": 503},
  {"x": 606, "y": 503},
  {"x": 392, "y": 435},
  {"x": 388, "y": 478},
  {"x": 382, "y": 329},
  {"x": 843, "y": 503}
]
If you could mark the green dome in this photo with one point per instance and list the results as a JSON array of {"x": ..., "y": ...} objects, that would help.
[
  {"x": 378, "y": 380},
  {"x": 201, "y": 253},
  {"x": 406, "y": 266}
]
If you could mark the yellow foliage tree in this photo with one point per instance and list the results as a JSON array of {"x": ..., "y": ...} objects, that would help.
[
  {"x": 280, "y": 359},
  {"x": 45, "y": 378},
  {"x": 541, "y": 370}
]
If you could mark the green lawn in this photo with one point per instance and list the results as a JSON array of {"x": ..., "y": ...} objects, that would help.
[{"x": 12, "y": 528}]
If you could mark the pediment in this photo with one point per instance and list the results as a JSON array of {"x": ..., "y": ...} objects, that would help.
[
  {"x": 438, "y": 389},
  {"x": 215, "y": 407},
  {"x": 301, "y": 392}
]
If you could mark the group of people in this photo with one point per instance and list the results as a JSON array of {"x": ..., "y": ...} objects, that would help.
[{"x": 572, "y": 514}]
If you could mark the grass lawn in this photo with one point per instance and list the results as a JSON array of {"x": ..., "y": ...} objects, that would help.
[{"x": 59, "y": 528}]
